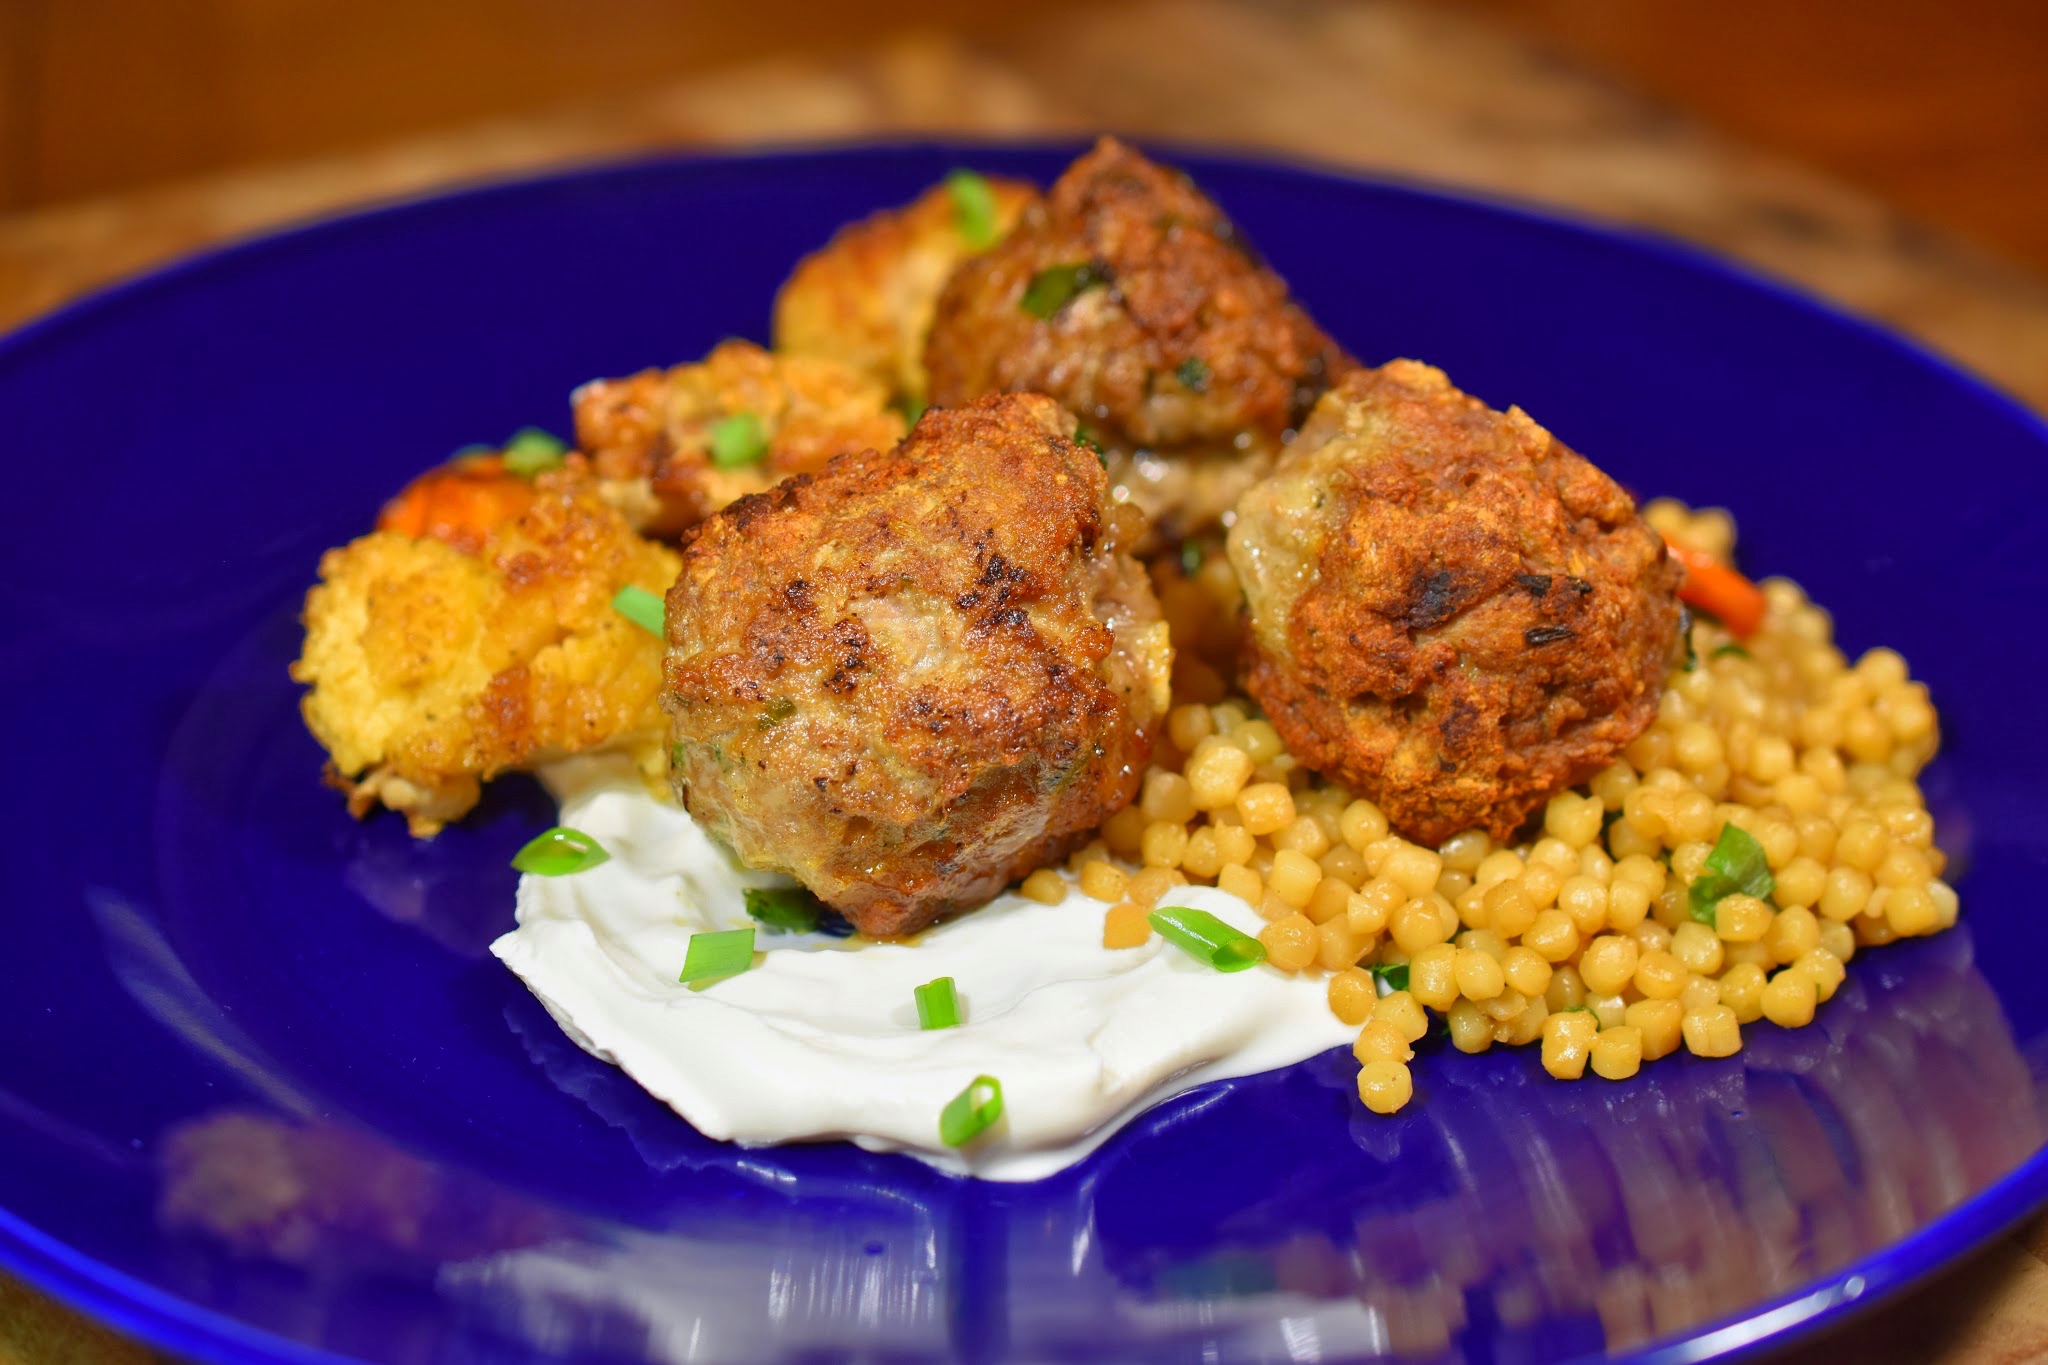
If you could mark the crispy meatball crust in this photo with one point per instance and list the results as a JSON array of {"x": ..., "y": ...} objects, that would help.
[
  {"x": 913, "y": 677},
  {"x": 1180, "y": 352},
  {"x": 866, "y": 298},
  {"x": 1451, "y": 612},
  {"x": 431, "y": 669},
  {"x": 649, "y": 435}
]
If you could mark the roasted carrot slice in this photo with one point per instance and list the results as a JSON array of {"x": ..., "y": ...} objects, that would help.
[
  {"x": 1716, "y": 588},
  {"x": 460, "y": 503}
]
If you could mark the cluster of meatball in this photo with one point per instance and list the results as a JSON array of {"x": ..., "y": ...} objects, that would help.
[{"x": 908, "y": 669}]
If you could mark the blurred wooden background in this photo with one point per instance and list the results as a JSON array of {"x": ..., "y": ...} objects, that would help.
[{"x": 1940, "y": 109}]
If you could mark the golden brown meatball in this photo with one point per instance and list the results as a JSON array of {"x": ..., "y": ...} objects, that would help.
[
  {"x": 913, "y": 677},
  {"x": 674, "y": 446},
  {"x": 1129, "y": 297},
  {"x": 433, "y": 669},
  {"x": 1451, "y": 612},
  {"x": 865, "y": 298}
]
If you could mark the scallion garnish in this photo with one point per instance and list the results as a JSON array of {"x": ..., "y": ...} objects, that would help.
[
  {"x": 716, "y": 955},
  {"x": 970, "y": 1113},
  {"x": 641, "y": 607},
  {"x": 737, "y": 440},
  {"x": 937, "y": 1005},
  {"x": 1201, "y": 935},
  {"x": 913, "y": 407},
  {"x": 784, "y": 907},
  {"x": 473, "y": 449},
  {"x": 1394, "y": 974},
  {"x": 532, "y": 451},
  {"x": 1191, "y": 557},
  {"x": 1728, "y": 650},
  {"x": 778, "y": 710},
  {"x": 1737, "y": 865},
  {"x": 974, "y": 208},
  {"x": 558, "y": 852},
  {"x": 1054, "y": 287},
  {"x": 1193, "y": 374}
]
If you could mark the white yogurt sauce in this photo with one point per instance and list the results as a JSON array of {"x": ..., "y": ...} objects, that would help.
[{"x": 820, "y": 1039}]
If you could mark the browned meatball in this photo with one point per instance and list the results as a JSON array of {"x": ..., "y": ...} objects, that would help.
[
  {"x": 913, "y": 677},
  {"x": 1130, "y": 297},
  {"x": 1451, "y": 612},
  {"x": 670, "y": 447},
  {"x": 865, "y": 298}
]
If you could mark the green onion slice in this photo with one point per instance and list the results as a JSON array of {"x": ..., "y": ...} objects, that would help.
[
  {"x": 1395, "y": 974},
  {"x": 558, "y": 852},
  {"x": 1054, "y": 287},
  {"x": 738, "y": 440},
  {"x": 913, "y": 407},
  {"x": 714, "y": 956},
  {"x": 937, "y": 1005},
  {"x": 473, "y": 448},
  {"x": 1191, "y": 557},
  {"x": 974, "y": 208},
  {"x": 1203, "y": 936},
  {"x": 970, "y": 1113},
  {"x": 532, "y": 451},
  {"x": 1737, "y": 864},
  {"x": 641, "y": 607},
  {"x": 784, "y": 907},
  {"x": 1193, "y": 374},
  {"x": 1723, "y": 651},
  {"x": 778, "y": 710}
]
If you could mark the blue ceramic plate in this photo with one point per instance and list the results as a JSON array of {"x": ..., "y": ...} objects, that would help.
[{"x": 264, "y": 1095}]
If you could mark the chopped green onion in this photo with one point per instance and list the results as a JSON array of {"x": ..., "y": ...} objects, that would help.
[
  {"x": 784, "y": 907},
  {"x": 913, "y": 408},
  {"x": 937, "y": 1005},
  {"x": 737, "y": 440},
  {"x": 1085, "y": 437},
  {"x": 1203, "y": 936},
  {"x": 714, "y": 956},
  {"x": 774, "y": 713},
  {"x": 1193, "y": 374},
  {"x": 1722, "y": 651},
  {"x": 1191, "y": 558},
  {"x": 531, "y": 451},
  {"x": 641, "y": 607},
  {"x": 1054, "y": 287},
  {"x": 970, "y": 1113},
  {"x": 1737, "y": 864},
  {"x": 1395, "y": 974},
  {"x": 558, "y": 852},
  {"x": 473, "y": 448},
  {"x": 974, "y": 208}
]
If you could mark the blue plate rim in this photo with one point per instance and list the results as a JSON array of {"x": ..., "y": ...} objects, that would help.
[{"x": 128, "y": 1304}]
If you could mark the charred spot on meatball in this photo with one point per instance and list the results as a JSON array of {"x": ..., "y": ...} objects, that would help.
[
  {"x": 1127, "y": 295},
  {"x": 915, "y": 676},
  {"x": 1451, "y": 612}
]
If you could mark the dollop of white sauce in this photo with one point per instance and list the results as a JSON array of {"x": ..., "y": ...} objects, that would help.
[{"x": 820, "y": 1039}]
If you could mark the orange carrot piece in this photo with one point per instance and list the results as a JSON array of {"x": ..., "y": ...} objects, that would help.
[
  {"x": 460, "y": 503},
  {"x": 1718, "y": 589}
]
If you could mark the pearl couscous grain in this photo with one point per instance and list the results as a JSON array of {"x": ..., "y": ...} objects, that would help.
[{"x": 1585, "y": 938}]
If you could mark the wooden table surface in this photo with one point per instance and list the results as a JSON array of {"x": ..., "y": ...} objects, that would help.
[{"x": 1388, "y": 87}]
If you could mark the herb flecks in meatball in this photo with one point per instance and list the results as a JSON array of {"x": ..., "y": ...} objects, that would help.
[
  {"x": 1451, "y": 611},
  {"x": 915, "y": 676},
  {"x": 1129, "y": 296}
]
